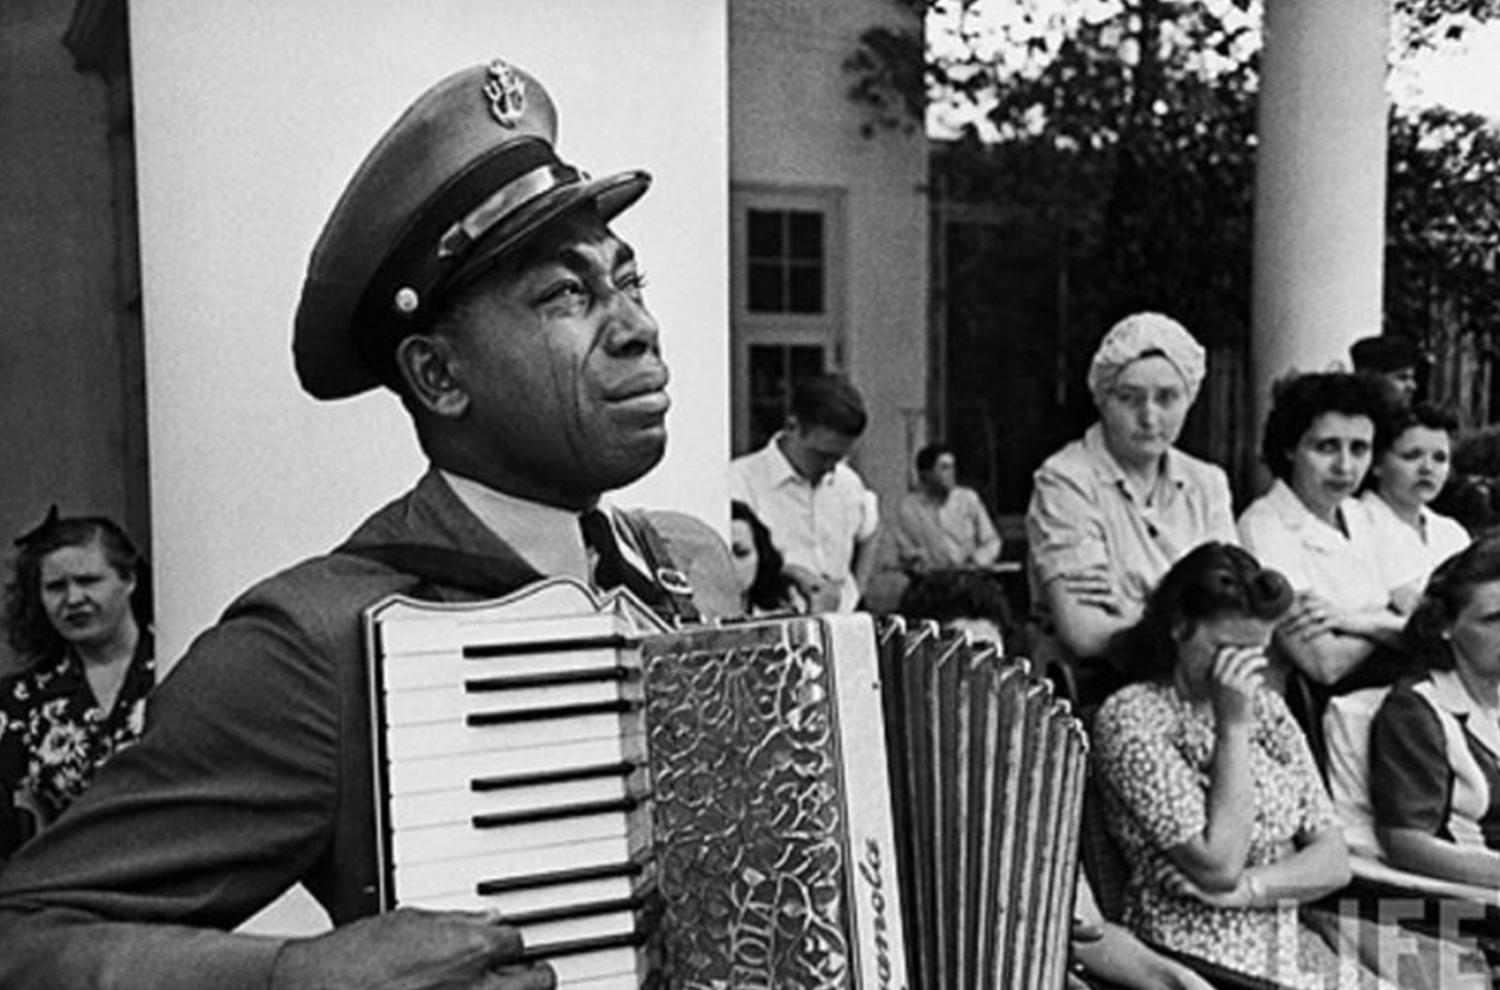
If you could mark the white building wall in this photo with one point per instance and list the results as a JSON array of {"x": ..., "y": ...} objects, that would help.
[{"x": 792, "y": 123}]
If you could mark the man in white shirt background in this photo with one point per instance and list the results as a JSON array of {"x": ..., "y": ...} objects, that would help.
[{"x": 821, "y": 516}]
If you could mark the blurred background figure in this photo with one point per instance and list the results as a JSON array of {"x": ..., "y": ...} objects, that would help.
[
  {"x": 943, "y": 524},
  {"x": 77, "y": 614},
  {"x": 1394, "y": 363},
  {"x": 819, "y": 513},
  {"x": 960, "y": 601},
  {"x": 758, "y": 569},
  {"x": 1413, "y": 455}
]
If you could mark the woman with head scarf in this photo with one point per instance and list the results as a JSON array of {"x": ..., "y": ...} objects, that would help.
[{"x": 1111, "y": 512}]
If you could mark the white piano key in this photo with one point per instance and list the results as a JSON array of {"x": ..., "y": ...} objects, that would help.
[
  {"x": 415, "y": 882},
  {"x": 448, "y": 771},
  {"x": 539, "y": 898},
  {"x": 602, "y": 970},
  {"x": 540, "y": 936},
  {"x": 440, "y": 842},
  {"x": 459, "y": 806},
  {"x": 416, "y": 631},
  {"x": 405, "y": 742},
  {"x": 400, "y": 672},
  {"x": 439, "y": 704}
]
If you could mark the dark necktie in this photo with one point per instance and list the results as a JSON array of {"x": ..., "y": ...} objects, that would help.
[{"x": 610, "y": 567}]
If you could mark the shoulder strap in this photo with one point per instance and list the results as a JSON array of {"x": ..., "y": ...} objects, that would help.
[
  {"x": 679, "y": 593},
  {"x": 445, "y": 567}
]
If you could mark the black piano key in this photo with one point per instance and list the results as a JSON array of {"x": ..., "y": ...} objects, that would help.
[
  {"x": 622, "y": 768},
  {"x": 557, "y": 877},
  {"x": 566, "y": 912},
  {"x": 514, "y": 682},
  {"x": 579, "y": 947},
  {"x": 480, "y": 651},
  {"x": 614, "y": 706},
  {"x": 501, "y": 819}
]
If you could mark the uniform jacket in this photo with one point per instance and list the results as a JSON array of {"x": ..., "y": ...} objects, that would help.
[{"x": 254, "y": 774}]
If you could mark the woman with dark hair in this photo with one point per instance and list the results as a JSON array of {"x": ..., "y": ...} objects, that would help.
[
  {"x": 758, "y": 567},
  {"x": 1413, "y": 454},
  {"x": 1435, "y": 742},
  {"x": 1318, "y": 442},
  {"x": 77, "y": 616},
  {"x": 1210, "y": 787}
]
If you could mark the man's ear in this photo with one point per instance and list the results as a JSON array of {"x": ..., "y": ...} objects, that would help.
[{"x": 425, "y": 363}]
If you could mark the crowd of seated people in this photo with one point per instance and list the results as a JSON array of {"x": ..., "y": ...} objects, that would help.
[{"x": 1236, "y": 672}]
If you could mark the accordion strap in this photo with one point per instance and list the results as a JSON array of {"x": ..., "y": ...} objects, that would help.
[
  {"x": 678, "y": 593},
  {"x": 445, "y": 567}
]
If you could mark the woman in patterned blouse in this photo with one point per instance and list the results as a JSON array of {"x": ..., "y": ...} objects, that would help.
[
  {"x": 76, "y": 616},
  {"x": 1211, "y": 789}
]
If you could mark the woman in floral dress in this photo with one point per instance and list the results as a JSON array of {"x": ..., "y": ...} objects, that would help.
[
  {"x": 75, "y": 614},
  {"x": 1210, "y": 787}
]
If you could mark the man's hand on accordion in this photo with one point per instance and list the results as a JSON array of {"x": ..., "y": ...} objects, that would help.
[{"x": 411, "y": 949}]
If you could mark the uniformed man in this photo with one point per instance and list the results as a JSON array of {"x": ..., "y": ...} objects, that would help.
[{"x": 471, "y": 271}]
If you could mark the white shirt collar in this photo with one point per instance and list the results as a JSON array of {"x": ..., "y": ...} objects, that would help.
[
  {"x": 546, "y": 537},
  {"x": 1448, "y": 691}
]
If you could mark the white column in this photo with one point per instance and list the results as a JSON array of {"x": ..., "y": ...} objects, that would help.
[{"x": 1320, "y": 186}]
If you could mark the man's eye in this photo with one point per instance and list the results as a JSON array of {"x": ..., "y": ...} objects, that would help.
[
  {"x": 632, "y": 282},
  {"x": 565, "y": 292}
]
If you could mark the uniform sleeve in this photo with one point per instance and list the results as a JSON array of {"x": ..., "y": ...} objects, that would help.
[
  {"x": 1064, "y": 528},
  {"x": 226, "y": 801},
  {"x": 1409, "y": 757},
  {"x": 1139, "y": 764}
]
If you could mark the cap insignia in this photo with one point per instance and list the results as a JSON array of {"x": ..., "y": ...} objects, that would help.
[{"x": 506, "y": 92}]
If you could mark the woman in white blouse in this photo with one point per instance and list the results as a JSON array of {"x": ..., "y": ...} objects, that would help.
[
  {"x": 1319, "y": 440},
  {"x": 1413, "y": 450}
]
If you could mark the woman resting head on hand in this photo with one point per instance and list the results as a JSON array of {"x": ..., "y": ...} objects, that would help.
[{"x": 1210, "y": 788}]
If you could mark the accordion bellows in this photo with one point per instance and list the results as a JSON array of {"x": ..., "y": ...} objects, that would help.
[{"x": 807, "y": 802}]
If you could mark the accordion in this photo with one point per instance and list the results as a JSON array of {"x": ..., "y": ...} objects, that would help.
[{"x": 800, "y": 802}]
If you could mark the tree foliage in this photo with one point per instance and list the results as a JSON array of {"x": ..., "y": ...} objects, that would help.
[{"x": 1125, "y": 131}]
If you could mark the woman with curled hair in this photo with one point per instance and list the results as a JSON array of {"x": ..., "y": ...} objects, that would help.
[
  {"x": 77, "y": 615},
  {"x": 1435, "y": 741},
  {"x": 1413, "y": 455},
  {"x": 1209, "y": 784},
  {"x": 1318, "y": 443}
]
